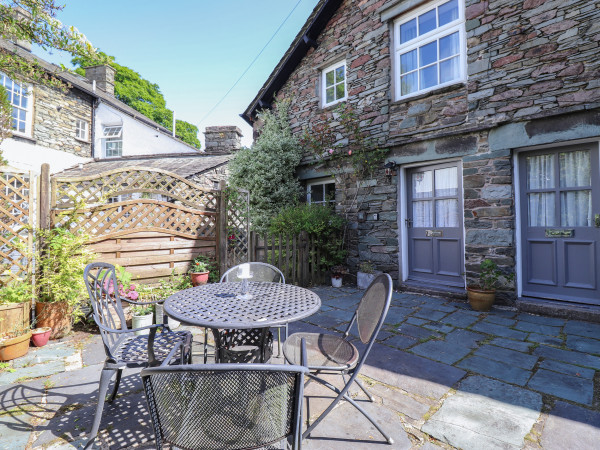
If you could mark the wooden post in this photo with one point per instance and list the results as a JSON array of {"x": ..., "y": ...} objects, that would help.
[
  {"x": 222, "y": 228},
  {"x": 303, "y": 254},
  {"x": 44, "y": 218}
]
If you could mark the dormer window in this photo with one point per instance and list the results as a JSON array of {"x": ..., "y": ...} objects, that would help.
[
  {"x": 113, "y": 141},
  {"x": 334, "y": 84},
  {"x": 430, "y": 48}
]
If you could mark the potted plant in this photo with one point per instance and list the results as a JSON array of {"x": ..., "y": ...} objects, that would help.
[
  {"x": 201, "y": 269},
  {"x": 337, "y": 274},
  {"x": 15, "y": 305},
  {"x": 365, "y": 275},
  {"x": 15, "y": 343},
  {"x": 142, "y": 316},
  {"x": 40, "y": 336},
  {"x": 61, "y": 257},
  {"x": 481, "y": 296}
]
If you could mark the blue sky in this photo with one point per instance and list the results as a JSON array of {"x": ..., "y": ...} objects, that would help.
[{"x": 194, "y": 50}]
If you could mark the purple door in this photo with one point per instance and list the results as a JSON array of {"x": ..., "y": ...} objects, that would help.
[
  {"x": 560, "y": 224},
  {"x": 434, "y": 225}
]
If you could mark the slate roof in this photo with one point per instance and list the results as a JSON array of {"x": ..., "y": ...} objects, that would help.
[{"x": 183, "y": 164}]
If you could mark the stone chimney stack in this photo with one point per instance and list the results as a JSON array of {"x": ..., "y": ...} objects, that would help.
[
  {"x": 222, "y": 140},
  {"x": 22, "y": 15},
  {"x": 104, "y": 76}
]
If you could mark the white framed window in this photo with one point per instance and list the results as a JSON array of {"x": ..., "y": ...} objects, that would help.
[
  {"x": 81, "y": 129},
  {"x": 430, "y": 48},
  {"x": 19, "y": 96},
  {"x": 333, "y": 82},
  {"x": 321, "y": 192},
  {"x": 113, "y": 141}
]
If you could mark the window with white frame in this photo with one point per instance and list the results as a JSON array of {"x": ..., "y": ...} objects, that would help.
[
  {"x": 334, "y": 83},
  {"x": 320, "y": 192},
  {"x": 81, "y": 129},
  {"x": 113, "y": 141},
  {"x": 19, "y": 96},
  {"x": 430, "y": 48}
]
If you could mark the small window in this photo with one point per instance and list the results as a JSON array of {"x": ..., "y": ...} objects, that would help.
[
  {"x": 81, "y": 129},
  {"x": 113, "y": 141},
  {"x": 334, "y": 84},
  {"x": 19, "y": 97},
  {"x": 430, "y": 48},
  {"x": 321, "y": 192}
]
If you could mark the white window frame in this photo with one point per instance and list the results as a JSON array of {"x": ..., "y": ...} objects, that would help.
[
  {"x": 81, "y": 129},
  {"x": 324, "y": 73},
  {"x": 110, "y": 134},
  {"x": 420, "y": 41},
  {"x": 322, "y": 183},
  {"x": 28, "y": 110}
]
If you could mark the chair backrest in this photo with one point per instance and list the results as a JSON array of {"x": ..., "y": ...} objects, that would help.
[
  {"x": 225, "y": 406},
  {"x": 102, "y": 286},
  {"x": 259, "y": 271},
  {"x": 373, "y": 307}
]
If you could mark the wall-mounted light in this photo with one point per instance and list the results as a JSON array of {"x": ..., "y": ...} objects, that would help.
[{"x": 390, "y": 168}]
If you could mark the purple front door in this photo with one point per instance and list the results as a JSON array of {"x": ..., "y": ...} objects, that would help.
[
  {"x": 560, "y": 224},
  {"x": 434, "y": 225}
]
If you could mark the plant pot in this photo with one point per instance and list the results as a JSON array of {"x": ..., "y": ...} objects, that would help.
[
  {"x": 199, "y": 278},
  {"x": 364, "y": 280},
  {"x": 336, "y": 282},
  {"x": 14, "y": 316},
  {"x": 14, "y": 347},
  {"x": 142, "y": 321},
  {"x": 480, "y": 299},
  {"x": 159, "y": 311},
  {"x": 40, "y": 336},
  {"x": 54, "y": 315}
]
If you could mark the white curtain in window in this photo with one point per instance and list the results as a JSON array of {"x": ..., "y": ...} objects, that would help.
[
  {"x": 575, "y": 206},
  {"x": 446, "y": 182},
  {"x": 446, "y": 213},
  {"x": 540, "y": 172},
  {"x": 422, "y": 214},
  {"x": 542, "y": 210}
]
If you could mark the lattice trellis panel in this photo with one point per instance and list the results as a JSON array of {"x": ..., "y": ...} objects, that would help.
[
  {"x": 15, "y": 215},
  {"x": 122, "y": 218},
  {"x": 99, "y": 188},
  {"x": 238, "y": 228}
]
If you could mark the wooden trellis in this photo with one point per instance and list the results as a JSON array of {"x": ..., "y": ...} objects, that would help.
[
  {"x": 16, "y": 238},
  {"x": 238, "y": 227}
]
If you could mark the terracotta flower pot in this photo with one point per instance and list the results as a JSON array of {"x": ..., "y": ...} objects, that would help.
[
  {"x": 54, "y": 315},
  {"x": 14, "y": 347},
  {"x": 199, "y": 278},
  {"x": 480, "y": 299},
  {"x": 40, "y": 336}
]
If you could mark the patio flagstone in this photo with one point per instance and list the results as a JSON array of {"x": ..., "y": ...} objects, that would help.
[
  {"x": 576, "y": 389},
  {"x": 571, "y": 427}
]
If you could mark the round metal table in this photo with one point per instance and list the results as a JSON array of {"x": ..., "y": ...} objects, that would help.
[{"x": 215, "y": 305}]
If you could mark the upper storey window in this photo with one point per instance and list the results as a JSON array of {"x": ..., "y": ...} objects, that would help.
[
  {"x": 334, "y": 84},
  {"x": 20, "y": 100},
  {"x": 430, "y": 48}
]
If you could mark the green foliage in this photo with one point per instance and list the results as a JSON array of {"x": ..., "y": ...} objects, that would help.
[
  {"x": 143, "y": 96},
  {"x": 319, "y": 221},
  {"x": 366, "y": 267},
  {"x": 267, "y": 170},
  {"x": 490, "y": 277},
  {"x": 210, "y": 265},
  {"x": 15, "y": 292},
  {"x": 142, "y": 310}
]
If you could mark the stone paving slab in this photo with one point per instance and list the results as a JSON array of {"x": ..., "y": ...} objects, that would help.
[
  {"x": 515, "y": 358},
  {"x": 577, "y": 389},
  {"x": 585, "y": 329},
  {"x": 542, "y": 320},
  {"x": 498, "y": 320},
  {"x": 496, "y": 369},
  {"x": 573, "y": 357},
  {"x": 571, "y": 427},
  {"x": 584, "y": 344},
  {"x": 460, "y": 319},
  {"x": 574, "y": 371},
  {"x": 537, "y": 328},
  {"x": 429, "y": 314},
  {"x": 512, "y": 344},
  {"x": 416, "y": 332},
  {"x": 499, "y": 330},
  {"x": 485, "y": 414},
  {"x": 546, "y": 340},
  {"x": 465, "y": 338},
  {"x": 446, "y": 352}
]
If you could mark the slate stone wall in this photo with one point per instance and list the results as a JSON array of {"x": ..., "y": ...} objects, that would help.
[
  {"x": 528, "y": 61},
  {"x": 55, "y": 116}
]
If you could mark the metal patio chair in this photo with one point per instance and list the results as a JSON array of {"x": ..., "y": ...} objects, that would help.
[
  {"x": 225, "y": 406},
  {"x": 123, "y": 348},
  {"x": 254, "y": 343},
  {"x": 328, "y": 353}
]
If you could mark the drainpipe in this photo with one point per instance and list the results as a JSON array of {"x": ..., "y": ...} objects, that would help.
[{"x": 95, "y": 105}]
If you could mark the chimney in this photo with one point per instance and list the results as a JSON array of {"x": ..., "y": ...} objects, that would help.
[
  {"x": 222, "y": 140},
  {"x": 22, "y": 15},
  {"x": 104, "y": 76}
]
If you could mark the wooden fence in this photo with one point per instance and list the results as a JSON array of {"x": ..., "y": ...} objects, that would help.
[{"x": 298, "y": 257}]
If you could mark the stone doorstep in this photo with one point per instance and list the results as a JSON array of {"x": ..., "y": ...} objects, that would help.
[{"x": 563, "y": 310}]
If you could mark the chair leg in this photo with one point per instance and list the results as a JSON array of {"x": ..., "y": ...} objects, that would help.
[
  {"x": 116, "y": 388},
  {"x": 278, "y": 341},
  {"x": 105, "y": 377},
  {"x": 205, "y": 345},
  {"x": 364, "y": 389}
]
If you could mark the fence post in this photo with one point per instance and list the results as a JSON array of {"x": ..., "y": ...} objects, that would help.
[
  {"x": 44, "y": 218},
  {"x": 222, "y": 228},
  {"x": 303, "y": 253}
]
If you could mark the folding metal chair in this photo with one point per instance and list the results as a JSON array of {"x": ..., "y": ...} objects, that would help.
[
  {"x": 334, "y": 354},
  {"x": 123, "y": 348}
]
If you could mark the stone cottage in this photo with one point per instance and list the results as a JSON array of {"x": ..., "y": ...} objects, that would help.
[{"x": 490, "y": 110}]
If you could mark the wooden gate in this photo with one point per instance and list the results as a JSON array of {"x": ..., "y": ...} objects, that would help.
[{"x": 149, "y": 221}]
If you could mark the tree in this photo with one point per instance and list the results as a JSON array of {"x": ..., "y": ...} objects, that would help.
[
  {"x": 35, "y": 21},
  {"x": 267, "y": 170},
  {"x": 143, "y": 96}
]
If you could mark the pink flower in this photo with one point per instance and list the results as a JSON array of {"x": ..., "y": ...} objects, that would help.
[
  {"x": 134, "y": 295},
  {"x": 331, "y": 151},
  {"x": 349, "y": 152},
  {"x": 132, "y": 287}
]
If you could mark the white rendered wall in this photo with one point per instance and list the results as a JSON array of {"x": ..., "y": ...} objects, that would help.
[
  {"x": 138, "y": 138},
  {"x": 27, "y": 156}
]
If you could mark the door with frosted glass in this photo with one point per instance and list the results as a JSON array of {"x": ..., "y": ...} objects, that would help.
[
  {"x": 560, "y": 223},
  {"x": 434, "y": 225}
]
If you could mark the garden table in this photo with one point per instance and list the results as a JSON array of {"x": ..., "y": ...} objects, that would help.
[{"x": 216, "y": 306}]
